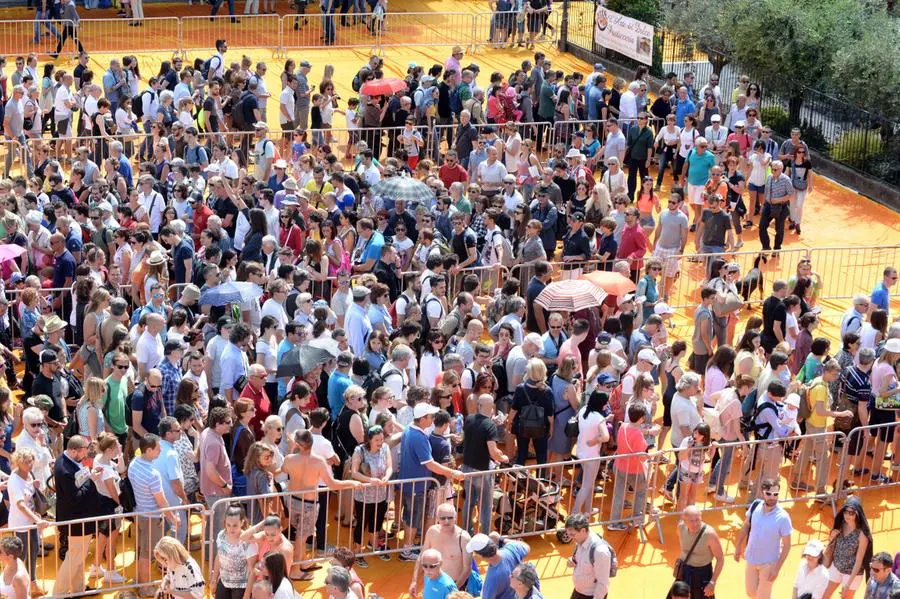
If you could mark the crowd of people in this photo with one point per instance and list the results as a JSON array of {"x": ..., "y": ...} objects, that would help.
[{"x": 167, "y": 318}]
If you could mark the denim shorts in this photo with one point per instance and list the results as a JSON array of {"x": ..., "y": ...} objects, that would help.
[{"x": 414, "y": 509}]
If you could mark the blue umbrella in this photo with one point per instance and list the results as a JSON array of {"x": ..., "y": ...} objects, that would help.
[{"x": 230, "y": 293}]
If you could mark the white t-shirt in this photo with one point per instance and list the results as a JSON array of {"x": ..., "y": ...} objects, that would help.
[
  {"x": 291, "y": 426},
  {"x": 60, "y": 110},
  {"x": 265, "y": 153},
  {"x": 434, "y": 309},
  {"x": 286, "y": 99},
  {"x": 276, "y": 310},
  {"x": 811, "y": 581},
  {"x": 267, "y": 351},
  {"x": 149, "y": 350},
  {"x": 429, "y": 367},
  {"x": 758, "y": 168},
  {"x": 408, "y": 139},
  {"x": 493, "y": 246},
  {"x": 684, "y": 413},
  {"x": 397, "y": 384},
  {"x": 491, "y": 175},
  {"x": 790, "y": 323},
  {"x": 588, "y": 430},
  {"x": 154, "y": 205},
  {"x": 20, "y": 490}
]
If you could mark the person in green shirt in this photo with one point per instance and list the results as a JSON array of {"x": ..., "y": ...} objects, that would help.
[
  {"x": 639, "y": 151},
  {"x": 546, "y": 106},
  {"x": 114, "y": 397}
]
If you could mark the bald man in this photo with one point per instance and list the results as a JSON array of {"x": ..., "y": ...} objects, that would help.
[
  {"x": 444, "y": 559},
  {"x": 255, "y": 390},
  {"x": 147, "y": 407}
]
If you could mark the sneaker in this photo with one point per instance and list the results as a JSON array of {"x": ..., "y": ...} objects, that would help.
[
  {"x": 361, "y": 562},
  {"x": 113, "y": 577},
  {"x": 615, "y": 527},
  {"x": 724, "y": 498},
  {"x": 710, "y": 490},
  {"x": 409, "y": 556},
  {"x": 739, "y": 244},
  {"x": 96, "y": 571},
  {"x": 385, "y": 557},
  {"x": 800, "y": 486}
]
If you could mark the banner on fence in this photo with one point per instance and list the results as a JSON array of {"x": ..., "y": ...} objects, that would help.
[{"x": 623, "y": 34}]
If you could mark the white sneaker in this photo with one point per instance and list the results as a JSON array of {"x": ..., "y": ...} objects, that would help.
[
  {"x": 113, "y": 577},
  {"x": 96, "y": 571},
  {"x": 724, "y": 498}
]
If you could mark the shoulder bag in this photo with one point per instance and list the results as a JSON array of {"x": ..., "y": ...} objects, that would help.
[{"x": 678, "y": 570}]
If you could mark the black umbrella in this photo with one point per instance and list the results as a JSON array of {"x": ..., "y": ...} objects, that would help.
[{"x": 301, "y": 360}]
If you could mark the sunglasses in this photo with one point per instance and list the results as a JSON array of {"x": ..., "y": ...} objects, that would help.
[
  {"x": 122, "y": 366},
  {"x": 770, "y": 493},
  {"x": 153, "y": 387},
  {"x": 433, "y": 566}
]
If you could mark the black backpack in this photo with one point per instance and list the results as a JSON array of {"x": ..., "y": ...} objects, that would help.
[
  {"x": 207, "y": 64},
  {"x": 426, "y": 322},
  {"x": 137, "y": 103},
  {"x": 561, "y": 227},
  {"x": 237, "y": 112},
  {"x": 498, "y": 369},
  {"x": 531, "y": 419},
  {"x": 759, "y": 430},
  {"x": 126, "y": 496}
]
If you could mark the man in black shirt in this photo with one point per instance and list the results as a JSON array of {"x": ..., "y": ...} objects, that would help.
[
  {"x": 48, "y": 383},
  {"x": 536, "y": 319},
  {"x": 463, "y": 243},
  {"x": 576, "y": 245},
  {"x": 774, "y": 317},
  {"x": 445, "y": 114},
  {"x": 482, "y": 436},
  {"x": 386, "y": 269}
]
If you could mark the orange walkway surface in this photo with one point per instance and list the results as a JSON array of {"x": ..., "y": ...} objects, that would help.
[{"x": 834, "y": 216}]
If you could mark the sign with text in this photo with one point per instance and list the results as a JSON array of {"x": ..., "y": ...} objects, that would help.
[{"x": 623, "y": 34}]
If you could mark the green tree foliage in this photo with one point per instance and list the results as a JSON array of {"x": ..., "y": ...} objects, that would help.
[
  {"x": 868, "y": 70},
  {"x": 647, "y": 11},
  {"x": 702, "y": 25}
]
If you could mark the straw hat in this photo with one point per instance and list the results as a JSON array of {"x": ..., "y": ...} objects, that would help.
[
  {"x": 53, "y": 323},
  {"x": 156, "y": 258}
]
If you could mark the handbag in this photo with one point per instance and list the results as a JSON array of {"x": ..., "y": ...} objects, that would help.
[
  {"x": 41, "y": 503},
  {"x": 677, "y": 571},
  {"x": 828, "y": 554}
]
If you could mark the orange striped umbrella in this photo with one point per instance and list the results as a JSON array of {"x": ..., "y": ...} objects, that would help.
[
  {"x": 610, "y": 282},
  {"x": 569, "y": 296}
]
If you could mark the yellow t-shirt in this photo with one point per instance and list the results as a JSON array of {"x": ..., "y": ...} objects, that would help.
[{"x": 818, "y": 393}]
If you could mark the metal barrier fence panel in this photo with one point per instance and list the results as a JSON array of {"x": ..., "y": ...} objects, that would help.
[
  {"x": 426, "y": 29},
  {"x": 489, "y": 278},
  {"x": 119, "y": 35},
  {"x": 38, "y": 36},
  {"x": 848, "y": 271},
  {"x": 507, "y": 29},
  {"x": 301, "y": 31},
  {"x": 808, "y": 466},
  {"x": 124, "y": 542},
  {"x": 863, "y": 464},
  {"x": 408, "y": 505},
  {"x": 247, "y": 31},
  {"x": 11, "y": 157}
]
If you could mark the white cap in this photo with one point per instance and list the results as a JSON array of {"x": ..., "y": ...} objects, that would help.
[
  {"x": 663, "y": 308},
  {"x": 792, "y": 400},
  {"x": 260, "y": 125},
  {"x": 573, "y": 153},
  {"x": 281, "y": 163},
  {"x": 892, "y": 345},
  {"x": 715, "y": 118},
  {"x": 477, "y": 543},
  {"x": 424, "y": 409},
  {"x": 813, "y": 548},
  {"x": 740, "y": 124},
  {"x": 648, "y": 355}
]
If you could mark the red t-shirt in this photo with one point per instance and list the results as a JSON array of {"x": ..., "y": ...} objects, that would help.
[
  {"x": 630, "y": 439},
  {"x": 263, "y": 407},
  {"x": 452, "y": 174}
]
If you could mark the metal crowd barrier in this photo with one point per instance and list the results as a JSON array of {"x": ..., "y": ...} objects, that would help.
[
  {"x": 405, "y": 504},
  {"x": 471, "y": 31},
  {"x": 489, "y": 278},
  {"x": 122, "y": 540},
  {"x": 863, "y": 458}
]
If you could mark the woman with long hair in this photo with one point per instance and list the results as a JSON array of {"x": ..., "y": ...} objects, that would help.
[
  {"x": 266, "y": 354},
  {"x": 182, "y": 575},
  {"x": 670, "y": 374},
  {"x": 188, "y": 394},
  {"x": 89, "y": 409},
  {"x": 884, "y": 379},
  {"x": 430, "y": 364},
  {"x": 242, "y": 438},
  {"x": 371, "y": 464},
  {"x": 520, "y": 226},
  {"x": 274, "y": 569},
  {"x": 533, "y": 390},
  {"x": 10, "y": 426},
  {"x": 336, "y": 255},
  {"x": 230, "y": 572},
  {"x": 253, "y": 241},
  {"x": 258, "y": 470},
  {"x": 692, "y": 455},
  {"x": 95, "y": 314},
  {"x": 112, "y": 469},
  {"x": 718, "y": 372},
  {"x": 315, "y": 261},
  {"x": 565, "y": 386},
  {"x": 750, "y": 356},
  {"x": 594, "y": 428},
  {"x": 849, "y": 550},
  {"x": 350, "y": 430},
  {"x": 803, "y": 289}
]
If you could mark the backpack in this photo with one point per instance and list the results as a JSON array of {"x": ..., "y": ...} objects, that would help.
[
  {"x": 137, "y": 103},
  {"x": 498, "y": 369},
  {"x": 426, "y": 323},
  {"x": 760, "y": 431},
  {"x": 561, "y": 227},
  {"x": 531, "y": 419},
  {"x": 375, "y": 380},
  {"x": 126, "y": 495},
  {"x": 613, "y": 559},
  {"x": 205, "y": 67},
  {"x": 617, "y": 403},
  {"x": 237, "y": 112},
  {"x": 806, "y": 409},
  {"x": 509, "y": 257}
]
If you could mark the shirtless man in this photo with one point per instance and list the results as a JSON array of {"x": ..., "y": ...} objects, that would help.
[
  {"x": 304, "y": 470},
  {"x": 450, "y": 541}
]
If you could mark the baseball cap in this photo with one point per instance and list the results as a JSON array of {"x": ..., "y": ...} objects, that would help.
[
  {"x": 628, "y": 297},
  {"x": 42, "y": 402},
  {"x": 648, "y": 355},
  {"x": 604, "y": 338},
  {"x": 605, "y": 378},
  {"x": 792, "y": 400},
  {"x": 663, "y": 308},
  {"x": 715, "y": 118},
  {"x": 424, "y": 409},
  {"x": 48, "y": 356},
  {"x": 305, "y": 64},
  {"x": 813, "y": 548},
  {"x": 478, "y": 543}
]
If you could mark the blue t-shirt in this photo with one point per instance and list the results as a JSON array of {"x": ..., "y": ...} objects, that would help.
[
  {"x": 283, "y": 348},
  {"x": 74, "y": 242},
  {"x": 373, "y": 248},
  {"x": 337, "y": 384},
  {"x": 147, "y": 482},
  {"x": 881, "y": 297},
  {"x": 698, "y": 168},
  {"x": 63, "y": 267},
  {"x": 183, "y": 251},
  {"x": 345, "y": 200},
  {"x": 438, "y": 588},
  {"x": 150, "y": 405},
  {"x": 440, "y": 452},
  {"x": 766, "y": 530},
  {"x": 496, "y": 580},
  {"x": 415, "y": 451}
]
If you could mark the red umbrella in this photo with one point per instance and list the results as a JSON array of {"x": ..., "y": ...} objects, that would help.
[{"x": 383, "y": 87}]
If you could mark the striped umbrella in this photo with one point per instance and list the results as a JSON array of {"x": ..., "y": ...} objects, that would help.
[
  {"x": 569, "y": 296},
  {"x": 403, "y": 188}
]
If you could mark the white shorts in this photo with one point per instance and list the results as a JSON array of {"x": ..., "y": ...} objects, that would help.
[
  {"x": 695, "y": 193},
  {"x": 670, "y": 259},
  {"x": 842, "y": 579}
]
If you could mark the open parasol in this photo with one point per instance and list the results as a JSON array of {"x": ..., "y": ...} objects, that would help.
[
  {"x": 403, "y": 188},
  {"x": 611, "y": 282},
  {"x": 301, "y": 359},
  {"x": 383, "y": 87},
  {"x": 10, "y": 251},
  {"x": 231, "y": 292},
  {"x": 570, "y": 296}
]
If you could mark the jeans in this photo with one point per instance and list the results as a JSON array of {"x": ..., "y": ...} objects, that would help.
[
  {"x": 540, "y": 449},
  {"x": 217, "y": 522},
  {"x": 585, "y": 496},
  {"x": 31, "y": 543},
  {"x": 479, "y": 491},
  {"x": 665, "y": 160},
  {"x": 623, "y": 481},
  {"x": 70, "y": 576},
  {"x": 48, "y": 25},
  {"x": 722, "y": 468},
  {"x": 328, "y": 22},
  {"x": 777, "y": 213},
  {"x": 796, "y": 205},
  {"x": 218, "y": 5}
]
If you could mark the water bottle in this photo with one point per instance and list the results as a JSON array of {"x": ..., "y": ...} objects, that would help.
[{"x": 459, "y": 424}]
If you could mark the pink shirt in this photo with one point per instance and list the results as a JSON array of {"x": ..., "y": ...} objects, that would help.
[
  {"x": 568, "y": 348},
  {"x": 453, "y": 65},
  {"x": 212, "y": 451},
  {"x": 630, "y": 439}
]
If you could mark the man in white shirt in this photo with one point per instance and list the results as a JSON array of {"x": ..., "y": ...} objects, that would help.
[
  {"x": 393, "y": 373},
  {"x": 628, "y": 109},
  {"x": 63, "y": 105},
  {"x": 366, "y": 168},
  {"x": 493, "y": 239},
  {"x": 286, "y": 105},
  {"x": 150, "y": 103},
  {"x": 261, "y": 93},
  {"x": 855, "y": 317},
  {"x": 227, "y": 167},
  {"x": 513, "y": 146},
  {"x": 512, "y": 197},
  {"x": 264, "y": 152},
  {"x": 716, "y": 135},
  {"x": 149, "y": 348},
  {"x": 217, "y": 62},
  {"x": 491, "y": 172},
  {"x": 151, "y": 203}
]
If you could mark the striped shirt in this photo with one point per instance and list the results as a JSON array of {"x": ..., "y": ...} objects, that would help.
[
  {"x": 779, "y": 188},
  {"x": 146, "y": 481},
  {"x": 856, "y": 384},
  {"x": 171, "y": 379}
]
